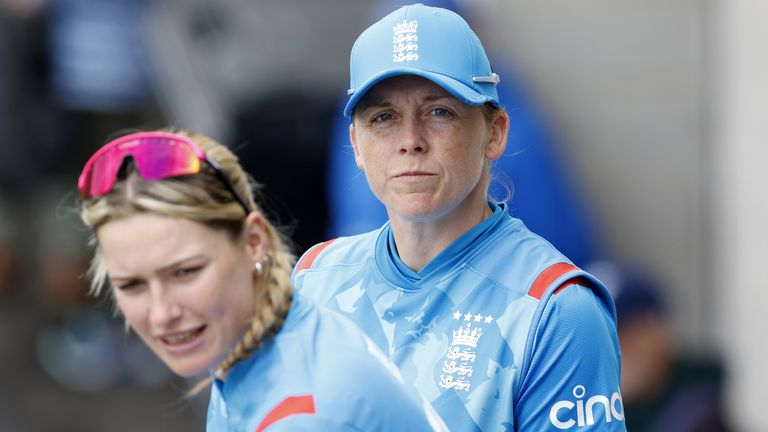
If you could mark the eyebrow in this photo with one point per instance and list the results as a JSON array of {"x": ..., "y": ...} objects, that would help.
[
  {"x": 163, "y": 269},
  {"x": 369, "y": 102}
]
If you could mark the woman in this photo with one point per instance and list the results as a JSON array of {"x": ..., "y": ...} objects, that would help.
[
  {"x": 203, "y": 278},
  {"x": 493, "y": 325}
]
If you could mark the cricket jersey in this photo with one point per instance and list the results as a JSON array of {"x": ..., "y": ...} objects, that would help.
[
  {"x": 500, "y": 332},
  {"x": 320, "y": 373}
]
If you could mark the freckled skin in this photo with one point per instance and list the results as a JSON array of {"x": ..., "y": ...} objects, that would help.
[{"x": 425, "y": 156}]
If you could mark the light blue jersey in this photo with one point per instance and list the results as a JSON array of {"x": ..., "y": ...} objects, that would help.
[
  {"x": 320, "y": 373},
  {"x": 500, "y": 332}
]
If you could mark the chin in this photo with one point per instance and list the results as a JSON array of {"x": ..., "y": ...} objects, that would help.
[
  {"x": 189, "y": 372},
  {"x": 413, "y": 206},
  {"x": 189, "y": 368},
  {"x": 423, "y": 212}
]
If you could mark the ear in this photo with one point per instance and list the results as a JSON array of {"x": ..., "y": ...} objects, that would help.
[
  {"x": 256, "y": 238},
  {"x": 497, "y": 139},
  {"x": 355, "y": 148}
]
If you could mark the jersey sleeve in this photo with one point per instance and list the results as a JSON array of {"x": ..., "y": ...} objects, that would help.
[
  {"x": 305, "y": 262},
  {"x": 571, "y": 381}
]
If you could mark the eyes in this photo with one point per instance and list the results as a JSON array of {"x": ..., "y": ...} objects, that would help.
[
  {"x": 187, "y": 271},
  {"x": 441, "y": 112},
  {"x": 381, "y": 118},
  {"x": 387, "y": 115},
  {"x": 128, "y": 285},
  {"x": 179, "y": 274}
]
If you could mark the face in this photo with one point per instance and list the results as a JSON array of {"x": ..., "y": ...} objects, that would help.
[
  {"x": 424, "y": 152},
  {"x": 186, "y": 289}
]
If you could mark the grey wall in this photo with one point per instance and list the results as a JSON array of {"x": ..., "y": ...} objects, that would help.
[
  {"x": 742, "y": 211},
  {"x": 625, "y": 86}
]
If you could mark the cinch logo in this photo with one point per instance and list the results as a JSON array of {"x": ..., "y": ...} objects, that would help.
[{"x": 562, "y": 413}]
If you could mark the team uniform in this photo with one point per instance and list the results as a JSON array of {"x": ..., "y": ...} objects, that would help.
[
  {"x": 500, "y": 332},
  {"x": 320, "y": 373}
]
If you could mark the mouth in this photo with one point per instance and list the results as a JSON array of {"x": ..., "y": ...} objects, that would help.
[
  {"x": 182, "y": 339},
  {"x": 413, "y": 174}
]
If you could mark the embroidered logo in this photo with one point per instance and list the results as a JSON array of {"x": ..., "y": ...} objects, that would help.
[
  {"x": 404, "y": 41},
  {"x": 562, "y": 414},
  {"x": 460, "y": 360}
]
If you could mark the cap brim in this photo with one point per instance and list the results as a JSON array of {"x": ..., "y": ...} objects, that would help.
[{"x": 458, "y": 89}]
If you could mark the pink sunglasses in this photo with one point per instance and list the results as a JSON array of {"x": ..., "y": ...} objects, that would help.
[{"x": 157, "y": 155}]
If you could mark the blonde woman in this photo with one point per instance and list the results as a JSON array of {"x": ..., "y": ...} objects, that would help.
[{"x": 202, "y": 277}]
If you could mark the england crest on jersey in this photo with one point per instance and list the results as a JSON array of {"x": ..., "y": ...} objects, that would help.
[{"x": 459, "y": 362}]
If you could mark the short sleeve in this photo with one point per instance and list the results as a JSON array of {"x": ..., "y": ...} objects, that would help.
[{"x": 573, "y": 374}]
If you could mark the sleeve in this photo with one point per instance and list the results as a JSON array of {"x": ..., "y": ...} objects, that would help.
[
  {"x": 572, "y": 378},
  {"x": 305, "y": 262}
]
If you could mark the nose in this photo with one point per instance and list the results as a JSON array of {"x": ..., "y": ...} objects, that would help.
[
  {"x": 164, "y": 310},
  {"x": 412, "y": 137}
]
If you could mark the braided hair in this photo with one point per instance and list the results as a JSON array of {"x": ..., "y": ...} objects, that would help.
[{"x": 203, "y": 198}]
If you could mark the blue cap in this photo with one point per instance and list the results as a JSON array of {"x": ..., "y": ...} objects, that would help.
[{"x": 430, "y": 42}]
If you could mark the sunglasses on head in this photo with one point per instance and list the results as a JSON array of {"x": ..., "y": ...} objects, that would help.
[{"x": 157, "y": 156}]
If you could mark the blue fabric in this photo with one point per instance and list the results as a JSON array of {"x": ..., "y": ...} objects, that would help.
[
  {"x": 434, "y": 43},
  {"x": 487, "y": 354},
  {"x": 318, "y": 354}
]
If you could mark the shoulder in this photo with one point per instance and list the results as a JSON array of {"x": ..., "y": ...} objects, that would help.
[
  {"x": 571, "y": 353},
  {"x": 337, "y": 251},
  {"x": 568, "y": 286},
  {"x": 517, "y": 259},
  {"x": 578, "y": 305},
  {"x": 568, "y": 298}
]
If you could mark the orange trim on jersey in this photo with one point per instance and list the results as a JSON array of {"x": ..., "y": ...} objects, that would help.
[
  {"x": 549, "y": 275},
  {"x": 289, "y": 406},
  {"x": 309, "y": 258},
  {"x": 580, "y": 280}
]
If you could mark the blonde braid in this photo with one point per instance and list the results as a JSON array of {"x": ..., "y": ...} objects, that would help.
[{"x": 268, "y": 321}]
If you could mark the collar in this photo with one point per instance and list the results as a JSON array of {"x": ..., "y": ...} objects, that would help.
[{"x": 396, "y": 272}]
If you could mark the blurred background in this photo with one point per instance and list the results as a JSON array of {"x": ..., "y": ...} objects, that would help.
[{"x": 634, "y": 148}]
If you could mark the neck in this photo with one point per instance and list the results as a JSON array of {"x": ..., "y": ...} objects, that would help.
[{"x": 418, "y": 242}]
